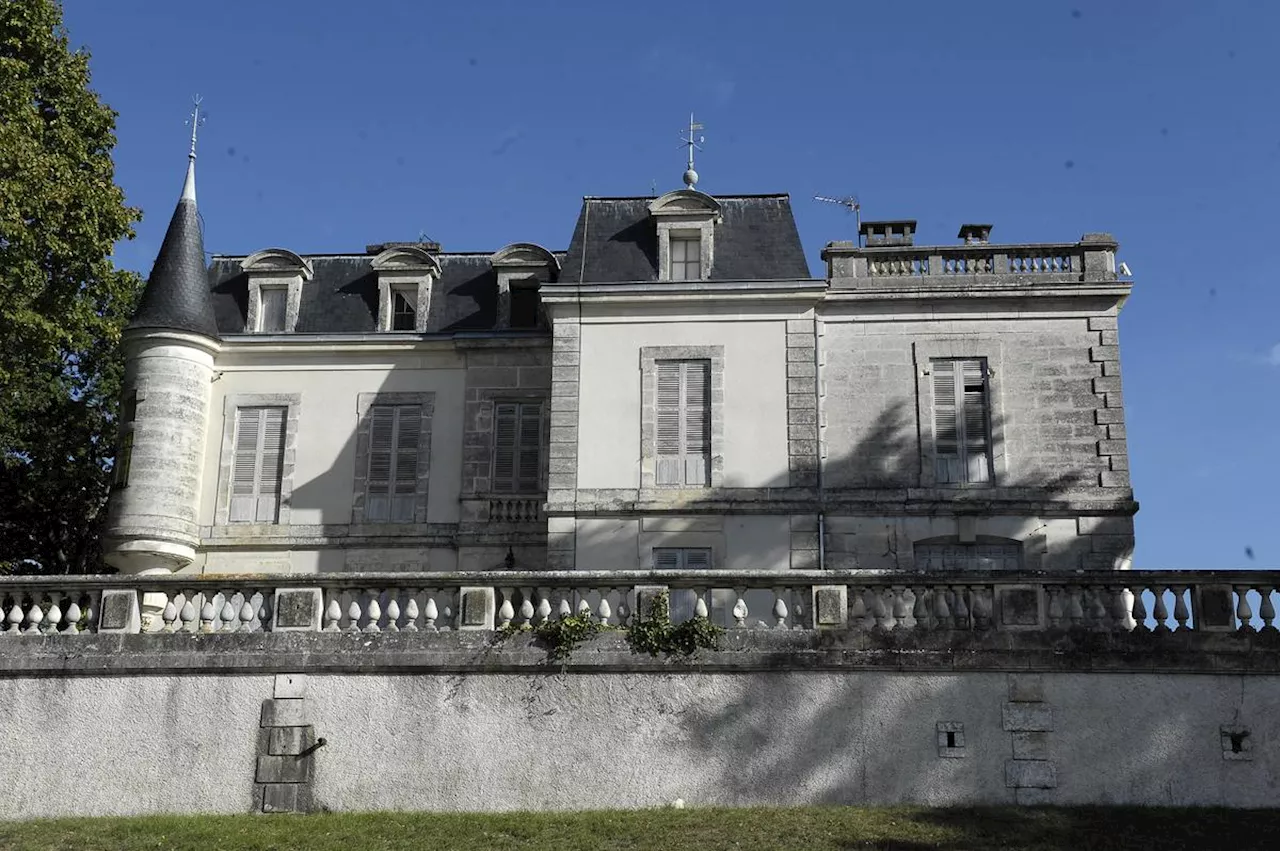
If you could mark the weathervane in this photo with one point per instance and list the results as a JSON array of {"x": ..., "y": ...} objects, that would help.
[
  {"x": 693, "y": 143},
  {"x": 195, "y": 121}
]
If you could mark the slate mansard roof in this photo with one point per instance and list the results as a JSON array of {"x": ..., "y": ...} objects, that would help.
[{"x": 615, "y": 241}]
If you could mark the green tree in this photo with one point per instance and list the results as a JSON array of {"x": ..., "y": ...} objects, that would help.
[{"x": 63, "y": 303}]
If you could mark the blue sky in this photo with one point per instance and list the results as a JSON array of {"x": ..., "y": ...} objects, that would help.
[{"x": 336, "y": 124}]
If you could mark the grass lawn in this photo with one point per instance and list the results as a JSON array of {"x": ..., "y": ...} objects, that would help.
[{"x": 800, "y": 829}]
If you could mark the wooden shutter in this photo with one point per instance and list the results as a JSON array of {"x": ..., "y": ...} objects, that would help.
[
  {"x": 697, "y": 422},
  {"x": 273, "y": 302},
  {"x": 391, "y": 485},
  {"x": 666, "y": 558},
  {"x": 973, "y": 424},
  {"x": 257, "y": 465},
  {"x": 667, "y": 444},
  {"x": 962, "y": 435},
  {"x": 529, "y": 466},
  {"x": 697, "y": 559},
  {"x": 505, "y": 422}
]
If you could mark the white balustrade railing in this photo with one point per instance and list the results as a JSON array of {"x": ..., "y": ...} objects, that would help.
[
  {"x": 516, "y": 509},
  {"x": 1128, "y": 601},
  {"x": 966, "y": 260}
]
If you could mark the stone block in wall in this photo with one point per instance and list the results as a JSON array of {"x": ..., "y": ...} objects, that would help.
[
  {"x": 1214, "y": 608},
  {"x": 830, "y": 606},
  {"x": 1104, "y": 526},
  {"x": 477, "y": 607},
  {"x": 1028, "y": 745},
  {"x": 297, "y": 610},
  {"x": 283, "y": 769},
  {"x": 1027, "y": 717},
  {"x": 1114, "y": 479},
  {"x": 1026, "y": 688},
  {"x": 290, "y": 685},
  {"x": 1030, "y": 773},
  {"x": 1020, "y": 607},
  {"x": 284, "y": 712},
  {"x": 289, "y": 741},
  {"x": 645, "y": 597},
  {"x": 1103, "y": 323}
]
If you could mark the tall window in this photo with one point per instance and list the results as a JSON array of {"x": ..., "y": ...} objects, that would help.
[
  {"x": 391, "y": 487},
  {"x": 961, "y": 421},
  {"x": 683, "y": 433},
  {"x": 686, "y": 258},
  {"x": 404, "y": 310},
  {"x": 258, "y": 463},
  {"x": 272, "y": 310},
  {"x": 524, "y": 304},
  {"x": 517, "y": 447},
  {"x": 124, "y": 455}
]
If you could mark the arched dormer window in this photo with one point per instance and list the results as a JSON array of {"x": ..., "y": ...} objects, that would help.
[
  {"x": 686, "y": 221},
  {"x": 406, "y": 274},
  {"x": 985, "y": 552},
  {"x": 522, "y": 267},
  {"x": 275, "y": 290}
]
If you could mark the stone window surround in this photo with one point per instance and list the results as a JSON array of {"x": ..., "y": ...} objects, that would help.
[
  {"x": 969, "y": 347},
  {"x": 405, "y": 267},
  {"x": 1033, "y": 547},
  {"x": 649, "y": 357},
  {"x": 365, "y": 401},
  {"x": 685, "y": 212},
  {"x": 521, "y": 265},
  {"x": 488, "y": 399},
  {"x": 292, "y": 402},
  {"x": 274, "y": 268},
  {"x": 683, "y": 540}
]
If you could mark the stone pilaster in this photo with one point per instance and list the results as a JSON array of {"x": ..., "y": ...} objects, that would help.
[
  {"x": 562, "y": 475},
  {"x": 802, "y": 403}
]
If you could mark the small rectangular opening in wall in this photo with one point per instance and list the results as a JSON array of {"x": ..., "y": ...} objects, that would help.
[
  {"x": 950, "y": 739},
  {"x": 1236, "y": 744}
]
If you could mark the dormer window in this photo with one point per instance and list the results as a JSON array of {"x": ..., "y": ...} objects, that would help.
[
  {"x": 521, "y": 268},
  {"x": 686, "y": 221},
  {"x": 406, "y": 274},
  {"x": 275, "y": 277},
  {"x": 686, "y": 257}
]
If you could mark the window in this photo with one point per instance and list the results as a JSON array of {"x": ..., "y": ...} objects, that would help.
[
  {"x": 683, "y": 433},
  {"x": 124, "y": 455},
  {"x": 257, "y": 464},
  {"x": 517, "y": 447},
  {"x": 686, "y": 258},
  {"x": 273, "y": 310},
  {"x": 391, "y": 486},
  {"x": 961, "y": 424},
  {"x": 524, "y": 304},
  {"x": 983, "y": 555},
  {"x": 681, "y": 558},
  {"x": 404, "y": 313}
]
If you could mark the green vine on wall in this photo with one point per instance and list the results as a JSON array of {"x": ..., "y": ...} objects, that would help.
[
  {"x": 655, "y": 634},
  {"x": 559, "y": 635}
]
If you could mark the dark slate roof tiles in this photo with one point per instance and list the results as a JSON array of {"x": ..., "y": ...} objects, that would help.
[{"x": 175, "y": 296}]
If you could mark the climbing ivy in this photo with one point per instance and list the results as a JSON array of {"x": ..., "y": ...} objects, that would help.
[
  {"x": 559, "y": 635},
  {"x": 655, "y": 634}
]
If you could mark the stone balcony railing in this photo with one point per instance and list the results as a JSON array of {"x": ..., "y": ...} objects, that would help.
[
  {"x": 1130, "y": 602},
  {"x": 1091, "y": 259}
]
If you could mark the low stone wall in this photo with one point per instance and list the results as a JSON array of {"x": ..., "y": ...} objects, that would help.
[{"x": 100, "y": 724}]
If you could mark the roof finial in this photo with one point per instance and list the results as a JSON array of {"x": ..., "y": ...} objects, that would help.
[
  {"x": 693, "y": 143},
  {"x": 196, "y": 119}
]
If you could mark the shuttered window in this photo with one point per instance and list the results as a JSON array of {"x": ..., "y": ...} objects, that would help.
[
  {"x": 391, "y": 485},
  {"x": 273, "y": 309},
  {"x": 257, "y": 464},
  {"x": 682, "y": 444},
  {"x": 517, "y": 447},
  {"x": 682, "y": 558},
  {"x": 961, "y": 421}
]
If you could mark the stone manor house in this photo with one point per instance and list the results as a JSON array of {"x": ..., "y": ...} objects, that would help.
[{"x": 672, "y": 389}]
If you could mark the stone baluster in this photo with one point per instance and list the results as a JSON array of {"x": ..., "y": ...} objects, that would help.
[
  {"x": 920, "y": 610},
  {"x": 982, "y": 608},
  {"x": 584, "y": 608},
  {"x": 902, "y": 600},
  {"x": 53, "y": 617},
  {"x": 430, "y": 613},
  {"x": 1097, "y": 610},
  {"x": 169, "y": 615},
  {"x": 857, "y": 607},
  {"x": 332, "y": 613},
  {"x": 563, "y": 610},
  {"x": 604, "y": 611},
  {"x": 1244, "y": 612},
  {"x": 411, "y": 610},
  {"x": 624, "y": 611},
  {"x": 543, "y": 611},
  {"x": 34, "y": 617},
  {"x": 393, "y": 610},
  {"x": 1266, "y": 609},
  {"x": 961, "y": 608},
  {"x": 14, "y": 616},
  {"x": 1159, "y": 610},
  {"x": 228, "y": 618},
  {"x": 1056, "y": 607},
  {"x": 942, "y": 608},
  {"x": 1181, "y": 613},
  {"x": 881, "y": 609},
  {"x": 740, "y": 610},
  {"x": 375, "y": 611},
  {"x": 1138, "y": 614},
  {"x": 187, "y": 612},
  {"x": 354, "y": 611},
  {"x": 1122, "y": 608},
  {"x": 526, "y": 611},
  {"x": 207, "y": 614},
  {"x": 506, "y": 612},
  {"x": 1075, "y": 606},
  {"x": 779, "y": 609},
  {"x": 73, "y": 616}
]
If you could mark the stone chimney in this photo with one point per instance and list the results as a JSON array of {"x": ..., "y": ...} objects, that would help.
[
  {"x": 901, "y": 232},
  {"x": 975, "y": 234}
]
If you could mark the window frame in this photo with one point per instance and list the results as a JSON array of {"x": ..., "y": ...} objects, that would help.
[
  {"x": 927, "y": 350},
  {"x": 966, "y": 461},
  {"x": 682, "y": 554},
  {"x": 365, "y": 403},
  {"x": 1013, "y": 544},
  {"x": 518, "y": 449},
  {"x": 684, "y": 240},
  {"x": 231, "y": 403},
  {"x": 649, "y": 358}
]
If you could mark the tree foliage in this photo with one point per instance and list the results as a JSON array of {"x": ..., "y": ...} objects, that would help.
[{"x": 63, "y": 303}]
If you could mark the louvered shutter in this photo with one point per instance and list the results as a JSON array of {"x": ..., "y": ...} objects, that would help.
[
  {"x": 668, "y": 456},
  {"x": 946, "y": 428},
  {"x": 697, "y": 559},
  {"x": 505, "y": 426},
  {"x": 697, "y": 422},
  {"x": 529, "y": 465},
  {"x": 977, "y": 449},
  {"x": 666, "y": 558},
  {"x": 274, "y": 307},
  {"x": 408, "y": 430},
  {"x": 377, "y": 506},
  {"x": 257, "y": 465}
]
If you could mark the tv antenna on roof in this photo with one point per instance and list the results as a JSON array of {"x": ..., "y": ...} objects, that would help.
[{"x": 850, "y": 203}]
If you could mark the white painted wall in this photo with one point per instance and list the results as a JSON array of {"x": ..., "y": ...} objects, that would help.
[
  {"x": 116, "y": 745},
  {"x": 755, "y": 392}
]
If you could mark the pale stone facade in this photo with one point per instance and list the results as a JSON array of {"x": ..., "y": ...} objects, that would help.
[{"x": 802, "y": 436}]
